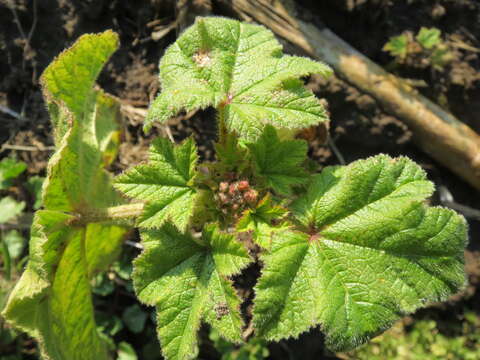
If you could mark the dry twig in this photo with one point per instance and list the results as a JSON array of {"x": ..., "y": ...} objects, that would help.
[{"x": 26, "y": 148}]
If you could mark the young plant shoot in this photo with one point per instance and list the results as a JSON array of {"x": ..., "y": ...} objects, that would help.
[{"x": 350, "y": 249}]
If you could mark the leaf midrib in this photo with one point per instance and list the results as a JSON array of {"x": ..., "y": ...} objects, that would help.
[
  {"x": 230, "y": 76},
  {"x": 284, "y": 108},
  {"x": 224, "y": 294},
  {"x": 197, "y": 297},
  {"x": 195, "y": 67}
]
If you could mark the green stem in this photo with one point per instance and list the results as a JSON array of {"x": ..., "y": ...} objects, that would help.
[{"x": 113, "y": 214}]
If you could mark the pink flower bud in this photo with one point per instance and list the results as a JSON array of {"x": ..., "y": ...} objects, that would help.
[
  {"x": 223, "y": 198},
  {"x": 243, "y": 185},
  {"x": 223, "y": 187},
  {"x": 251, "y": 196},
  {"x": 232, "y": 189}
]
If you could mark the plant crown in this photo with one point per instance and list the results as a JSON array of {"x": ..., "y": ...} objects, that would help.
[{"x": 350, "y": 249}]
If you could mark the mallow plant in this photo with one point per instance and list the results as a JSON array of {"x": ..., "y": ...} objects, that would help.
[{"x": 349, "y": 249}]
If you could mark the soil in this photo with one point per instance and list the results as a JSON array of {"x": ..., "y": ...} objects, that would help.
[{"x": 33, "y": 32}]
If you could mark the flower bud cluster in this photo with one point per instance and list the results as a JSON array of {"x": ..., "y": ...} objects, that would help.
[{"x": 234, "y": 197}]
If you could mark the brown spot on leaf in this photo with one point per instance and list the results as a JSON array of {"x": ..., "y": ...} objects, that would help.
[
  {"x": 221, "y": 310},
  {"x": 202, "y": 58}
]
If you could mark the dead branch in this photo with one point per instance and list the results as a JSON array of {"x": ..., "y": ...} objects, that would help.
[{"x": 435, "y": 131}]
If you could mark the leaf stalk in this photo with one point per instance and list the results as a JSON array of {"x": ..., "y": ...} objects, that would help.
[{"x": 114, "y": 213}]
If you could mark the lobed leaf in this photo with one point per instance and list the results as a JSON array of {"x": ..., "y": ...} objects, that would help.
[
  {"x": 188, "y": 281},
  {"x": 238, "y": 68},
  {"x": 373, "y": 252},
  {"x": 397, "y": 46},
  {"x": 429, "y": 37},
  {"x": 165, "y": 183},
  {"x": 278, "y": 163}
]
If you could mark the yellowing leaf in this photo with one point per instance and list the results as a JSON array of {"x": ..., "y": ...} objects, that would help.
[
  {"x": 85, "y": 122},
  {"x": 52, "y": 301}
]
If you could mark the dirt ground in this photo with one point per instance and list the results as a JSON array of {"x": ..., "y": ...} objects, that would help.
[{"x": 33, "y": 32}]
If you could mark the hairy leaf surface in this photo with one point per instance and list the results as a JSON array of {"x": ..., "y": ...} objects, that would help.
[
  {"x": 278, "y": 162},
  {"x": 187, "y": 280},
  {"x": 88, "y": 126},
  {"x": 373, "y": 252},
  {"x": 240, "y": 69},
  {"x": 165, "y": 183}
]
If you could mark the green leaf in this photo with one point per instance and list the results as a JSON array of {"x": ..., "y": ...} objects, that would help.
[
  {"x": 103, "y": 244},
  {"x": 68, "y": 81},
  {"x": 134, "y": 318},
  {"x": 52, "y": 300},
  {"x": 165, "y": 183},
  {"x": 102, "y": 285},
  {"x": 126, "y": 352},
  {"x": 260, "y": 221},
  {"x": 278, "y": 163},
  {"x": 254, "y": 349},
  {"x": 123, "y": 268},
  {"x": 34, "y": 185},
  {"x": 10, "y": 208},
  {"x": 15, "y": 243},
  {"x": 9, "y": 170},
  {"x": 188, "y": 281},
  {"x": 108, "y": 324},
  {"x": 85, "y": 122},
  {"x": 441, "y": 56},
  {"x": 240, "y": 69},
  {"x": 76, "y": 179},
  {"x": 231, "y": 156},
  {"x": 339, "y": 192},
  {"x": 373, "y": 252},
  {"x": 429, "y": 38},
  {"x": 397, "y": 46}
]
